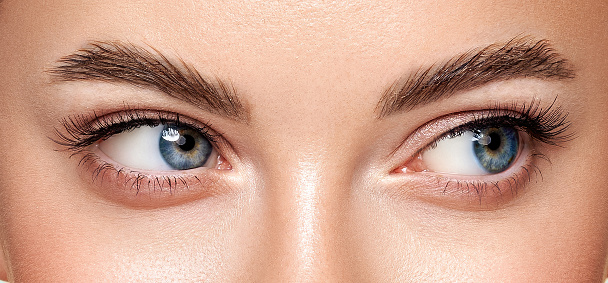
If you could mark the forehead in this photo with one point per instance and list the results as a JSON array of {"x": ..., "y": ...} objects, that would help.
[
  {"x": 306, "y": 34},
  {"x": 305, "y": 49}
]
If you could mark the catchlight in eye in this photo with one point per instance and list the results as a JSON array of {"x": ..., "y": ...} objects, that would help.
[{"x": 475, "y": 152}]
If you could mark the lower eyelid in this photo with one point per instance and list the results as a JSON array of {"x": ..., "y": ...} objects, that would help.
[
  {"x": 151, "y": 189},
  {"x": 461, "y": 192}
]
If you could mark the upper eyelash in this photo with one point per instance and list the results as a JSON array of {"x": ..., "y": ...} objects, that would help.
[
  {"x": 548, "y": 125},
  {"x": 81, "y": 131}
]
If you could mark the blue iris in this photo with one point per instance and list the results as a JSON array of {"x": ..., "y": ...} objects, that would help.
[
  {"x": 184, "y": 148},
  {"x": 496, "y": 148}
]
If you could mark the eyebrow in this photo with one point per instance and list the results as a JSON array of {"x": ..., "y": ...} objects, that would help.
[
  {"x": 115, "y": 61},
  {"x": 521, "y": 57}
]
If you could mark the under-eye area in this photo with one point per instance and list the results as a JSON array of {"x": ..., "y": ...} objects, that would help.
[
  {"x": 134, "y": 154},
  {"x": 483, "y": 159}
]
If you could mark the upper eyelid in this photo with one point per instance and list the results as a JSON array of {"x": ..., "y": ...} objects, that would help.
[
  {"x": 425, "y": 132},
  {"x": 79, "y": 131},
  {"x": 468, "y": 126},
  {"x": 554, "y": 119},
  {"x": 479, "y": 123}
]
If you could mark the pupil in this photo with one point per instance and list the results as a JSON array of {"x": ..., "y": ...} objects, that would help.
[
  {"x": 494, "y": 141},
  {"x": 187, "y": 143},
  {"x": 496, "y": 149}
]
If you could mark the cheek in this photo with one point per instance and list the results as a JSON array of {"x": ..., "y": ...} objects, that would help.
[
  {"x": 556, "y": 232},
  {"x": 43, "y": 224},
  {"x": 52, "y": 223},
  {"x": 83, "y": 239}
]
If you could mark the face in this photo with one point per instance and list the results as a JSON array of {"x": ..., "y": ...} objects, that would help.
[{"x": 303, "y": 141}]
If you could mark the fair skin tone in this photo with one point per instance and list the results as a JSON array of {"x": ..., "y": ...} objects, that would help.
[{"x": 314, "y": 183}]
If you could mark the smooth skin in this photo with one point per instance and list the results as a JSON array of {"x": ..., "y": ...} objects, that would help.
[{"x": 310, "y": 196}]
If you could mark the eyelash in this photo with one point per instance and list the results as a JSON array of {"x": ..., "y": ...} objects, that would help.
[
  {"x": 548, "y": 125},
  {"x": 81, "y": 131},
  {"x": 84, "y": 130}
]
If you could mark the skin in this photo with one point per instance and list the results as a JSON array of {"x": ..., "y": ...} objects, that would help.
[{"x": 310, "y": 196}]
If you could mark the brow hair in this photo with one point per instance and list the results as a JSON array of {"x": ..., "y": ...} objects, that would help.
[
  {"x": 520, "y": 57},
  {"x": 115, "y": 61}
]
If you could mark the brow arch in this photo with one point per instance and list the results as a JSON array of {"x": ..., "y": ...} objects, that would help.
[
  {"x": 520, "y": 57},
  {"x": 121, "y": 62}
]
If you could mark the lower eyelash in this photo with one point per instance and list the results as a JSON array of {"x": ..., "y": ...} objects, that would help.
[
  {"x": 138, "y": 189},
  {"x": 132, "y": 179},
  {"x": 493, "y": 192}
]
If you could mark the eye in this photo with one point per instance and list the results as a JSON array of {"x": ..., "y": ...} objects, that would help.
[
  {"x": 483, "y": 151},
  {"x": 478, "y": 159},
  {"x": 160, "y": 148},
  {"x": 155, "y": 154}
]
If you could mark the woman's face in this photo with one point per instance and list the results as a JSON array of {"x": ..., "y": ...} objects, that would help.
[{"x": 303, "y": 141}]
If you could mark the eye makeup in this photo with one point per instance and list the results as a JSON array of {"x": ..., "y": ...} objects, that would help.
[
  {"x": 534, "y": 127},
  {"x": 90, "y": 136}
]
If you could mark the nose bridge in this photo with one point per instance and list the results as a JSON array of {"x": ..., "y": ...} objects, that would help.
[
  {"x": 310, "y": 224},
  {"x": 306, "y": 152},
  {"x": 305, "y": 205}
]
